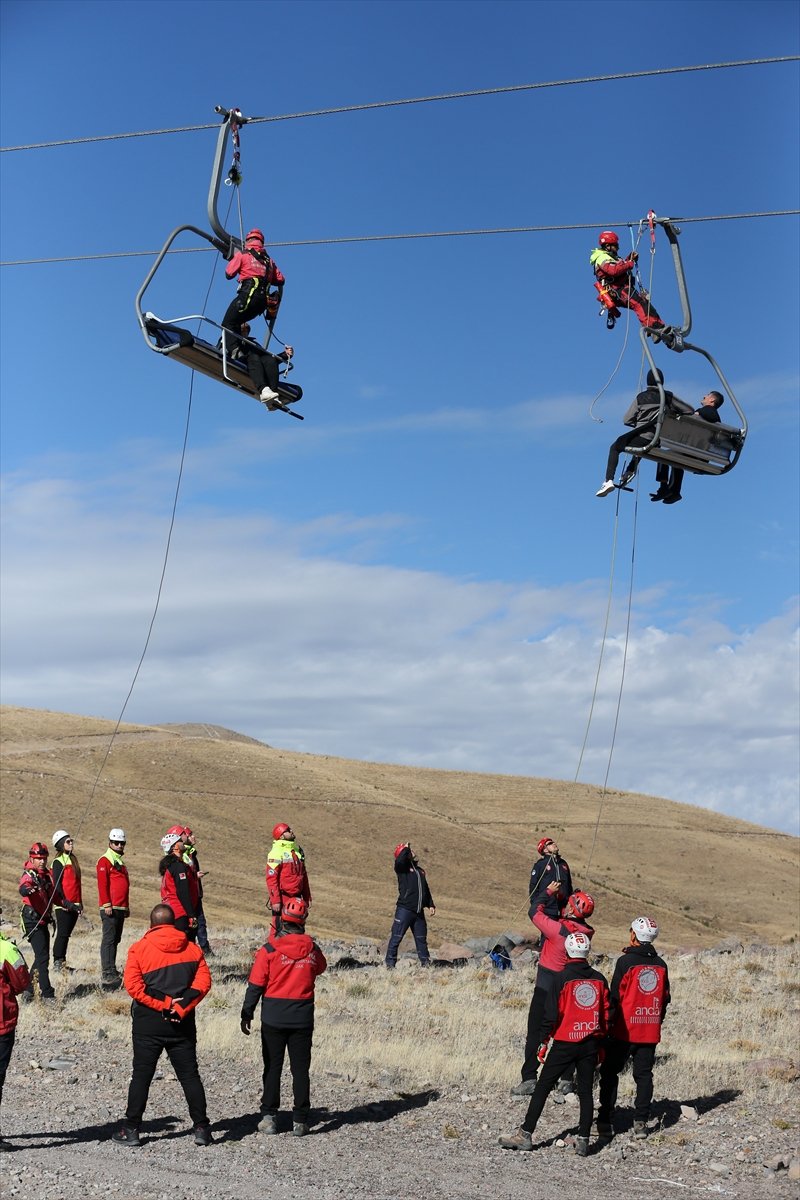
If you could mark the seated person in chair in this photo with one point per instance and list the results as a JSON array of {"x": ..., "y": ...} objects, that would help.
[{"x": 262, "y": 367}]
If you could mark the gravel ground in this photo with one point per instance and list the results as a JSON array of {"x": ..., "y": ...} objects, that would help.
[{"x": 366, "y": 1141}]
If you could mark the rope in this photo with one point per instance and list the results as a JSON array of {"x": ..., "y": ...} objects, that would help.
[
  {"x": 607, "y": 383},
  {"x": 399, "y": 237},
  {"x": 379, "y": 104}
]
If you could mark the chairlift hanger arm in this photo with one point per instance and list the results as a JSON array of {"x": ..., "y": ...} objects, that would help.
[
  {"x": 672, "y": 232},
  {"x": 232, "y": 115},
  {"x": 215, "y": 242}
]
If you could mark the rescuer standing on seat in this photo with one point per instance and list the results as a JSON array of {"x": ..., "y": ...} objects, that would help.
[{"x": 256, "y": 272}]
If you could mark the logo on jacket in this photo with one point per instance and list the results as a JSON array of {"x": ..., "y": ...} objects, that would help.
[
  {"x": 647, "y": 980},
  {"x": 586, "y": 995}
]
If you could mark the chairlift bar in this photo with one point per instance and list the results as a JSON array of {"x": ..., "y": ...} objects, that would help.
[
  {"x": 160, "y": 258},
  {"x": 672, "y": 232},
  {"x": 216, "y": 175}
]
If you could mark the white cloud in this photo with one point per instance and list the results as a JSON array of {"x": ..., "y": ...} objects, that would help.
[{"x": 264, "y": 627}]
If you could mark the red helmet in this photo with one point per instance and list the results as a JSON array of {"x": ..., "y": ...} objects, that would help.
[
  {"x": 399, "y": 849},
  {"x": 179, "y": 829},
  {"x": 608, "y": 238},
  {"x": 295, "y": 910},
  {"x": 279, "y": 831},
  {"x": 545, "y": 841},
  {"x": 38, "y": 850},
  {"x": 187, "y": 833},
  {"x": 582, "y": 904},
  {"x": 255, "y": 235}
]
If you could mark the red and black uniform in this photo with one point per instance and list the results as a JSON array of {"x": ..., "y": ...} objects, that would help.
[
  {"x": 576, "y": 1014},
  {"x": 616, "y": 287},
  {"x": 180, "y": 889},
  {"x": 550, "y": 868},
  {"x": 287, "y": 878},
  {"x": 113, "y": 890},
  {"x": 552, "y": 960},
  {"x": 67, "y": 902},
  {"x": 167, "y": 977},
  {"x": 283, "y": 976},
  {"x": 36, "y": 889},
  {"x": 256, "y": 272},
  {"x": 639, "y": 999},
  {"x": 14, "y": 979}
]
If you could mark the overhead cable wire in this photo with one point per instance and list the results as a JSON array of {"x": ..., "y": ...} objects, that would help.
[
  {"x": 397, "y": 237},
  {"x": 404, "y": 102}
]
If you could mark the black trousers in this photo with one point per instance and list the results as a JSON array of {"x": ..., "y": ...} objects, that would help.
[
  {"x": 6, "y": 1046},
  {"x": 640, "y": 436},
  {"x": 545, "y": 980},
  {"x": 39, "y": 938},
  {"x": 181, "y": 1049},
  {"x": 274, "y": 1043},
  {"x": 566, "y": 1056},
  {"x": 112, "y": 933},
  {"x": 262, "y": 367},
  {"x": 405, "y": 919},
  {"x": 250, "y": 301},
  {"x": 65, "y": 923},
  {"x": 617, "y": 1054}
]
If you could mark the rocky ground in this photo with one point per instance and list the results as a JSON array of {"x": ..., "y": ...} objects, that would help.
[{"x": 64, "y": 1095}]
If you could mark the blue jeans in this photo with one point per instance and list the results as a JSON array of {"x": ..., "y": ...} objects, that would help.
[{"x": 405, "y": 919}]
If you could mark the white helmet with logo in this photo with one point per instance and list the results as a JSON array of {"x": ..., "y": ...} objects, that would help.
[
  {"x": 169, "y": 840},
  {"x": 644, "y": 929},
  {"x": 58, "y": 835},
  {"x": 577, "y": 945},
  {"x": 117, "y": 835}
]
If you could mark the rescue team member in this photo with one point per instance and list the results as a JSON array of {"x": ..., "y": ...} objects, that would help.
[
  {"x": 287, "y": 877},
  {"x": 615, "y": 284},
  {"x": 190, "y": 857},
  {"x": 167, "y": 977},
  {"x": 36, "y": 889},
  {"x": 283, "y": 977},
  {"x": 550, "y": 867},
  {"x": 113, "y": 890},
  {"x": 413, "y": 896},
  {"x": 639, "y": 999},
  {"x": 576, "y": 1014},
  {"x": 180, "y": 887},
  {"x": 67, "y": 901},
  {"x": 552, "y": 960},
  {"x": 14, "y": 979},
  {"x": 256, "y": 272}
]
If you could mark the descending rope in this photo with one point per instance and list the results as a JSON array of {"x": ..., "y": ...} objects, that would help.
[
  {"x": 377, "y": 104},
  {"x": 607, "y": 384},
  {"x": 400, "y": 237}
]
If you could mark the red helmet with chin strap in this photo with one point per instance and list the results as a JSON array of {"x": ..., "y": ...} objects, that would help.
[
  {"x": 398, "y": 850},
  {"x": 255, "y": 235},
  {"x": 582, "y": 904},
  {"x": 279, "y": 831},
  {"x": 295, "y": 910},
  {"x": 608, "y": 238},
  {"x": 545, "y": 841},
  {"x": 38, "y": 850}
]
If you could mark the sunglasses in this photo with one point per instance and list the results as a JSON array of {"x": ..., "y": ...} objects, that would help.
[{"x": 116, "y": 843}]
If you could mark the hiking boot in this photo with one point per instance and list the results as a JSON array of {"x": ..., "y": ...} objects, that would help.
[
  {"x": 521, "y": 1140},
  {"x": 126, "y": 1135},
  {"x": 581, "y": 1146},
  {"x": 524, "y": 1088},
  {"x": 640, "y": 1129},
  {"x": 606, "y": 489},
  {"x": 605, "y": 1130},
  {"x": 268, "y": 1124},
  {"x": 299, "y": 1129},
  {"x": 565, "y": 1086},
  {"x": 202, "y": 1134}
]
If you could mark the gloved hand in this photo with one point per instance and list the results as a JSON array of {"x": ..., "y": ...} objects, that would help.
[
  {"x": 634, "y": 256},
  {"x": 245, "y": 1024}
]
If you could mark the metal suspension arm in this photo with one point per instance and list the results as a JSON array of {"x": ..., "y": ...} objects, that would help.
[
  {"x": 672, "y": 232},
  {"x": 228, "y": 115},
  {"x": 215, "y": 242}
]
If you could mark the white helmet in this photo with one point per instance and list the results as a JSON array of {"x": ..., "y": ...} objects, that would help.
[
  {"x": 117, "y": 835},
  {"x": 58, "y": 835},
  {"x": 644, "y": 929},
  {"x": 577, "y": 945},
  {"x": 169, "y": 840}
]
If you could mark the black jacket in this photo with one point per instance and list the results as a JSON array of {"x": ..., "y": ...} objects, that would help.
[
  {"x": 549, "y": 869},
  {"x": 412, "y": 886}
]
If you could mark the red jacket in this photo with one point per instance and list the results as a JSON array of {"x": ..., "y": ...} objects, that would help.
[
  {"x": 283, "y": 975},
  {"x": 14, "y": 978},
  {"x": 553, "y": 956},
  {"x": 113, "y": 884},
  {"x": 577, "y": 1008},
  {"x": 36, "y": 888},
  {"x": 639, "y": 995},
  {"x": 180, "y": 887},
  {"x": 165, "y": 972},
  {"x": 247, "y": 265},
  {"x": 286, "y": 873},
  {"x": 67, "y": 881}
]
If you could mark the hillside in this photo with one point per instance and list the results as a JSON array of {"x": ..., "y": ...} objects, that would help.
[{"x": 701, "y": 874}]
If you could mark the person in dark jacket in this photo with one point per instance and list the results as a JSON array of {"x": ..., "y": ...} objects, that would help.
[
  {"x": 576, "y": 1015},
  {"x": 14, "y": 979},
  {"x": 670, "y": 479},
  {"x": 283, "y": 978},
  {"x": 639, "y": 999},
  {"x": 552, "y": 960},
  {"x": 67, "y": 898},
  {"x": 36, "y": 889},
  {"x": 642, "y": 417},
  {"x": 413, "y": 897},
  {"x": 167, "y": 977},
  {"x": 190, "y": 857},
  {"x": 550, "y": 867},
  {"x": 180, "y": 886}
]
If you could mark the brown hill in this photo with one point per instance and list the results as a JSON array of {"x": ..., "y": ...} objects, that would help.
[{"x": 701, "y": 874}]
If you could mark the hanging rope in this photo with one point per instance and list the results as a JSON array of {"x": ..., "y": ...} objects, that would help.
[{"x": 607, "y": 384}]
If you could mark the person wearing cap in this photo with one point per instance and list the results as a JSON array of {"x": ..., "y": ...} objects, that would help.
[
  {"x": 166, "y": 976},
  {"x": 14, "y": 980},
  {"x": 549, "y": 868},
  {"x": 67, "y": 900},
  {"x": 639, "y": 998},
  {"x": 283, "y": 978},
  {"x": 36, "y": 889},
  {"x": 614, "y": 280},
  {"x": 256, "y": 272},
  {"x": 180, "y": 887},
  {"x": 576, "y": 1016},
  {"x": 191, "y": 859},
  {"x": 287, "y": 877},
  {"x": 113, "y": 890},
  {"x": 552, "y": 960},
  {"x": 413, "y": 897}
]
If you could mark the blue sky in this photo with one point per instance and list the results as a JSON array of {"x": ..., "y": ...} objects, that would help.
[{"x": 419, "y": 571}]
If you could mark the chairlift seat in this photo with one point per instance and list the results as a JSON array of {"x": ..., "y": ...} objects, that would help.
[{"x": 689, "y": 442}]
